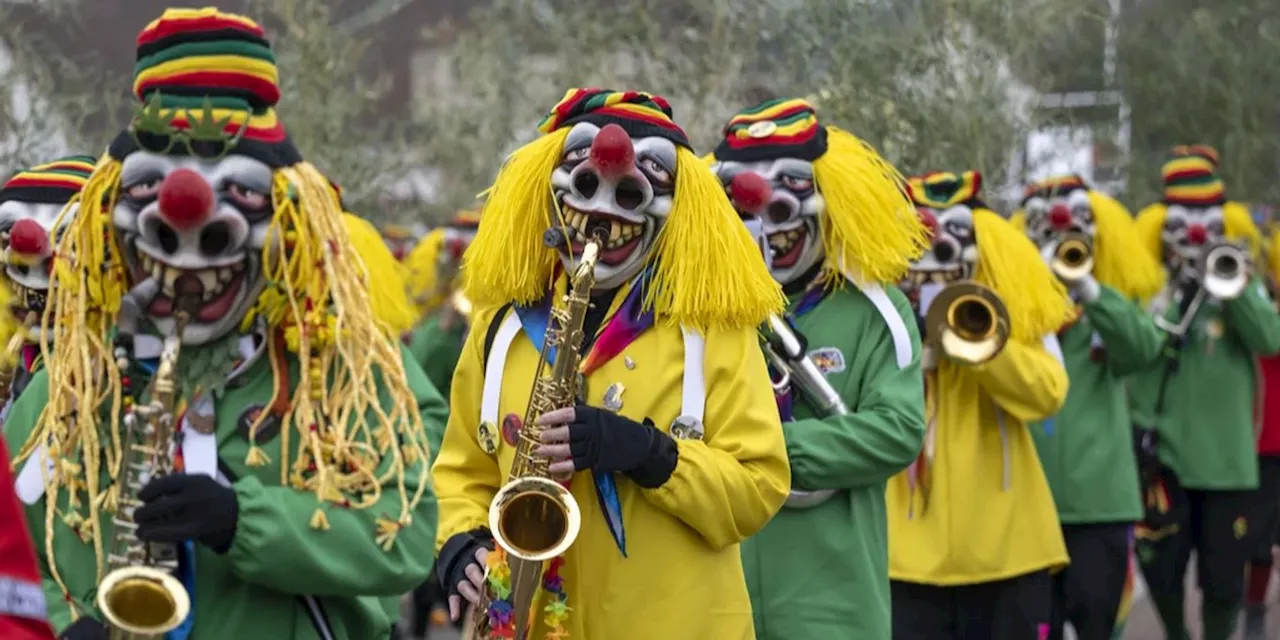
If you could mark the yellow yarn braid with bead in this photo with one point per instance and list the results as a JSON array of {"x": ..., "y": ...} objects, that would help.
[
  {"x": 1010, "y": 264},
  {"x": 707, "y": 269},
  {"x": 870, "y": 228}
]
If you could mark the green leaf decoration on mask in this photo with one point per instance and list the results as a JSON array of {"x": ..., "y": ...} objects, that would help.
[{"x": 152, "y": 117}]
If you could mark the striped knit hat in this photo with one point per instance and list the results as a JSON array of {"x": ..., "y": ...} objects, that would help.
[
  {"x": 207, "y": 85},
  {"x": 467, "y": 219},
  {"x": 50, "y": 183},
  {"x": 1191, "y": 178},
  {"x": 944, "y": 189},
  {"x": 773, "y": 128},
  {"x": 640, "y": 114},
  {"x": 1055, "y": 186}
]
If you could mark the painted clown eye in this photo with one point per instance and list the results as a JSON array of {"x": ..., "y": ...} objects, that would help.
[
  {"x": 796, "y": 183},
  {"x": 657, "y": 173},
  {"x": 575, "y": 156},
  {"x": 144, "y": 190},
  {"x": 245, "y": 197}
]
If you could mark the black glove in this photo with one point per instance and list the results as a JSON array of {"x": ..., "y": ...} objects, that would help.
[
  {"x": 607, "y": 442},
  {"x": 457, "y": 554},
  {"x": 85, "y": 628},
  {"x": 181, "y": 507}
]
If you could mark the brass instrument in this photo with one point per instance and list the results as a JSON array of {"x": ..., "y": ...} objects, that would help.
[
  {"x": 786, "y": 351},
  {"x": 1222, "y": 271},
  {"x": 139, "y": 597},
  {"x": 968, "y": 322},
  {"x": 533, "y": 518},
  {"x": 1073, "y": 258}
]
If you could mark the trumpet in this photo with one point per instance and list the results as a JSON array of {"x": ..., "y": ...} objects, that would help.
[
  {"x": 968, "y": 322},
  {"x": 1073, "y": 258},
  {"x": 785, "y": 349},
  {"x": 1222, "y": 271}
]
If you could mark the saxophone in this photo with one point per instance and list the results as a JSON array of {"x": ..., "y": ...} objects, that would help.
[
  {"x": 139, "y": 597},
  {"x": 785, "y": 350},
  {"x": 534, "y": 518}
]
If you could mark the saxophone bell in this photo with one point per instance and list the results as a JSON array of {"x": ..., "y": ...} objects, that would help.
[
  {"x": 1073, "y": 258},
  {"x": 968, "y": 322}
]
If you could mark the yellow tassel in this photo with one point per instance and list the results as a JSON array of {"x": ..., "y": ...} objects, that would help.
[
  {"x": 1120, "y": 260},
  {"x": 707, "y": 269},
  {"x": 870, "y": 224},
  {"x": 319, "y": 521},
  {"x": 387, "y": 530},
  {"x": 421, "y": 265},
  {"x": 73, "y": 519},
  {"x": 409, "y": 454},
  {"x": 508, "y": 261},
  {"x": 1010, "y": 263},
  {"x": 256, "y": 457},
  {"x": 385, "y": 281}
]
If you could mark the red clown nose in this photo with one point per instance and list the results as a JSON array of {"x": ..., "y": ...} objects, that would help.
[
  {"x": 185, "y": 199},
  {"x": 929, "y": 221},
  {"x": 749, "y": 191},
  {"x": 612, "y": 152},
  {"x": 1196, "y": 234},
  {"x": 28, "y": 238},
  {"x": 1060, "y": 216}
]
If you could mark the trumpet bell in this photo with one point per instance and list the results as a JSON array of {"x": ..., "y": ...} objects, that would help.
[
  {"x": 1073, "y": 258},
  {"x": 534, "y": 518},
  {"x": 143, "y": 601},
  {"x": 969, "y": 322},
  {"x": 1226, "y": 271}
]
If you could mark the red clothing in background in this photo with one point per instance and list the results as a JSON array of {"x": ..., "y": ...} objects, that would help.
[
  {"x": 1269, "y": 440},
  {"x": 22, "y": 604}
]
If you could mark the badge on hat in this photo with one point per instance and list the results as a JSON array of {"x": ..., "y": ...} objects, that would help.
[{"x": 762, "y": 129}]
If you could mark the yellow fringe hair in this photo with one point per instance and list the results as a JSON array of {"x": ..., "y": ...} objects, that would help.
[
  {"x": 1237, "y": 223},
  {"x": 870, "y": 229},
  {"x": 421, "y": 264},
  {"x": 1120, "y": 258},
  {"x": 1273, "y": 254},
  {"x": 707, "y": 269},
  {"x": 386, "y": 276},
  {"x": 317, "y": 289},
  {"x": 1010, "y": 264}
]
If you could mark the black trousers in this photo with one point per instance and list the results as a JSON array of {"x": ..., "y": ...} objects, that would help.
[
  {"x": 425, "y": 597},
  {"x": 1087, "y": 594},
  {"x": 1264, "y": 526},
  {"x": 1013, "y": 609},
  {"x": 1215, "y": 524}
]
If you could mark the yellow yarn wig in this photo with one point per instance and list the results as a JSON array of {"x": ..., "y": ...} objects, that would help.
[
  {"x": 1120, "y": 259},
  {"x": 385, "y": 276},
  {"x": 421, "y": 266},
  {"x": 707, "y": 270},
  {"x": 316, "y": 294},
  {"x": 1008, "y": 262}
]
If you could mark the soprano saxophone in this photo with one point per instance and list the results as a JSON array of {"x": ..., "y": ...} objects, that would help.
[
  {"x": 139, "y": 597},
  {"x": 534, "y": 518}
]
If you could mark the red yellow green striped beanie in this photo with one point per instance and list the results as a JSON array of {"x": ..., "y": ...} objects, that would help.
[
  {"x": 467, "y": 219},
  {"x": 773, "y": 128},
  {"x": 50, "y": 183},
  {"x": 640, "y": 114},
  {"x": 1055, "y": 186},
  {"x": 1191, "y": 178},
  {"x": 207, "y": 84},
  {"x": 1202, "y": 150},
  {"x": 944, "y": 189}
]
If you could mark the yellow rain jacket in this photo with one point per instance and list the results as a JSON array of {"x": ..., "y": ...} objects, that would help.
[
  {"x": 990, "y": 513},
  {"x": 682, "y": 538}
]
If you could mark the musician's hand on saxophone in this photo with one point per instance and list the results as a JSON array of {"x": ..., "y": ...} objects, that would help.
[
  {"x": 463, "y": 574},
  {"x": 179, "y": 507},
  {"x": 584, "y": 437}
]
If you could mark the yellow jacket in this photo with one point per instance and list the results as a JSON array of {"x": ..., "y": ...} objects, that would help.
[
  {"x": 990, "y": 514},
  {"x": 683, "y": 576}
]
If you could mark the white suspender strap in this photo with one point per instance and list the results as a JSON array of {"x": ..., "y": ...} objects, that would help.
[
  {"x": 497, "y": 363},
  {"x": 897, "y": 327},
  {"x": 693, "y": 402}
]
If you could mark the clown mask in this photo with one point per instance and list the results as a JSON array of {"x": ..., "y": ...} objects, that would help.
[
  {"x": 781, "y": 196},
  {"x": 192, "y": 231},
  {"x": 28, "y": 254},
  {"x": 1188, "y": 230},
  {"x": 617, "y": 188},
  {"x": 1052, "y": 215}
]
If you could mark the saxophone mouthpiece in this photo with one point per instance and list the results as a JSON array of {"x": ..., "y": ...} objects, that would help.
[{"x": 598, "y": 230}]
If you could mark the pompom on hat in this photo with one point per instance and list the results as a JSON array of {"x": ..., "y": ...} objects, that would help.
[
  {"x": 1191, "y": 177},
  {"x": 870, "y": 231},
  {"x": 704, "y": 268},
  {"x": 53, "y": 182},
  {"x": 1008, "y": 262}
]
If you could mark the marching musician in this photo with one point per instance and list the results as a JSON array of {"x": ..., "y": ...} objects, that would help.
[
  {"x": 841, "y": 232},
  {"x": 973, "y": 533},
  {"x": 1196, "y": 406},
  {"x": 1265, "y": 530},
  {"x": 216, "y": 292},
  {"x": 29, "y": 206},
  {"x": 1086, "y": 450},
  {"x": 435, "y": 286},
  {"x": 673, "y": 453}
]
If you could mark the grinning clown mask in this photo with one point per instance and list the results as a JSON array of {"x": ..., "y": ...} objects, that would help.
[
  {"x": 1055, "y": 207},
  {"x": 1194, "y": 200},
  {"x": 946, "y": 203},
  {"x": 30, "y": 204}
]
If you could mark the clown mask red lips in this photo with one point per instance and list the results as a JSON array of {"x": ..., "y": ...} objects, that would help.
[
  {"x": 622, "y": 237},
  {"x": 215, "y": 288}
]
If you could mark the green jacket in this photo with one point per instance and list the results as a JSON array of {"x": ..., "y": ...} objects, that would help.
[
  {"x": 823, "y": 572},
  {"x": 1087, "y": 449},
  {"x": 253, "y": 590},
  {"x": 1207, "y": 426},
  {"x": 437, "y": 350}
]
